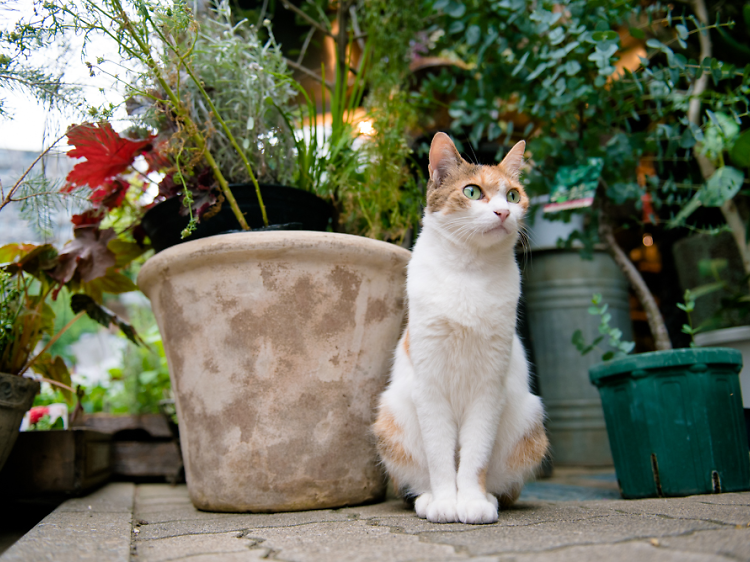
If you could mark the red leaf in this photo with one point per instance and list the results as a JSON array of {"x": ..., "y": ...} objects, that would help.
[
  {"x": 110, "y": 195},
  {"x": 90, "y": 217},
  {"x": 107, "y": 153}
]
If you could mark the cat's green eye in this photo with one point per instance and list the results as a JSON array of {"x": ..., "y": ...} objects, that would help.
[
  {"x": 473, "y": 192},
  {"x": 514, "y": 196}
]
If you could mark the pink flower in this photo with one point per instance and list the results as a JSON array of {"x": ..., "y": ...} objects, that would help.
[{"x": 36, "y": 413}]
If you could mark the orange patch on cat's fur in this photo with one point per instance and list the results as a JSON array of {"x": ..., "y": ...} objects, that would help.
[
  {"x": 449, "y": 198},
  {"x": 406, "y": 343},
  {"x": 530, "y": 450},
  {"x": 389, "y": 445}
]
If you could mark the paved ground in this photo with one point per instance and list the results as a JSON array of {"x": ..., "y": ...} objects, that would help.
[{"x": 157, "y": 523}]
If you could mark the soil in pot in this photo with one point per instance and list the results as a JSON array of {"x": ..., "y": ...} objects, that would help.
[{"x": 288, "y": 208}]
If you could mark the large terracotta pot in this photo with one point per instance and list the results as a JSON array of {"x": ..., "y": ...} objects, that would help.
[
  {"x": 278, "y": 345},
  {"x": 16, "y": 397}
]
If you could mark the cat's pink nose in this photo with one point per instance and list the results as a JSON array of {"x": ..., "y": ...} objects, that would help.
[{"x": 503, "y": 214}]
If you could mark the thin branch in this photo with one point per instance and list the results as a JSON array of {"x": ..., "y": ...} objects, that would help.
[
  {"x": 358, "y": 35},
  {"x": 305, "y": 45},
  {"x": 8, "y": 198},
  {"x": 289, "y": 6},
  {"x": 655, "y": 320},
  {"x": 309, "y": 73}
]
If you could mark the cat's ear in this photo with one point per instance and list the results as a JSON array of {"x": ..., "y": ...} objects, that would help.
[
  {"x": 513, "y": 161},
  {"x": 443, "y": 157}
]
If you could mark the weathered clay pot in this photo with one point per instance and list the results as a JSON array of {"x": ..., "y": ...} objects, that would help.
[
  {"x": 278, "y": 345},
  {"x": 16, "y": 397}
]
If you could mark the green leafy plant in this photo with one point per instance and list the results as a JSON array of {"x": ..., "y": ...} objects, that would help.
[
  {"x": 365, "y": 176},
  {"x": 687, "y": 307},
  {"x": 629, "y": 83},
  {"x": 155, "y": 43},
  {"x": 612, "y": 336}
]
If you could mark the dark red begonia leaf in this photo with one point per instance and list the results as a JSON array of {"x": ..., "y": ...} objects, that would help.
[
  {"x": 86, "y": 255},
  {"x": 111, "y": 194},
  {"x": 90, "y": 217},
  {"x": 107, "y": 154}
]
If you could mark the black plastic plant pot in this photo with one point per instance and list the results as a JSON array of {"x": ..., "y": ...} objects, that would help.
[
  {"x": 288, "y": 208},
  {"x": 675, "y": 421}
]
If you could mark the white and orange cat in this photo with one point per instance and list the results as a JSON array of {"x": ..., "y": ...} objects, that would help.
[{"x": 457, "y": 427}]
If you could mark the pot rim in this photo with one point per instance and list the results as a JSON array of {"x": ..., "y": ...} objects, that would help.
[
  {"x": 305, "y": 245},
  {"x": 658, "y": 360}
]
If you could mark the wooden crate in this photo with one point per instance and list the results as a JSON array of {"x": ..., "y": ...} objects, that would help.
[
  {"x": 144, "y": 446},
  {"x": 57, "y": 461}
]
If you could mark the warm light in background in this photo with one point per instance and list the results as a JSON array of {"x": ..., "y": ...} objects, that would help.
[
  {"x": 648, "y": 240},
  {"x": 365, "y": 127}
]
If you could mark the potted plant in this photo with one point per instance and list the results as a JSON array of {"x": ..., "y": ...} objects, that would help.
[
  {"x": 311, "y": 317},
  {"x": 294, "y": 368},
  {"x": 31, "y": 275}
]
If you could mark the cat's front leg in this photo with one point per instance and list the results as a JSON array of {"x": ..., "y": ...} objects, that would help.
[
  {"x": 477, "y": 438},
  {"x": 439, "y": 433}
]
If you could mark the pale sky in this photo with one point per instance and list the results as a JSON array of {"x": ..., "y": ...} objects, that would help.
[{"x": 25, "y": 130}]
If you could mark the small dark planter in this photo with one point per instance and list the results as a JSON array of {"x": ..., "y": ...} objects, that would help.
[
  {"x": 675, "y": 421},
  {"x": 16, "y": 397},
  {"x": 57, "y": 462},
  {"x": 288, "y": 208}
]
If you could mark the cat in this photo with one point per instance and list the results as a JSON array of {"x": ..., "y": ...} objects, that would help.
[{"x": 457, "y": 427}]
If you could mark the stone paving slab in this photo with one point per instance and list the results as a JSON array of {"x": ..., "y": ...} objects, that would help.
[
  {"x": 94, "y": 528},
  {"x": 157, "y": 523}
]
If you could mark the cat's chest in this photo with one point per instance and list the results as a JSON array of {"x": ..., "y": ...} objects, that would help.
[{"x": 472, "y": 295}]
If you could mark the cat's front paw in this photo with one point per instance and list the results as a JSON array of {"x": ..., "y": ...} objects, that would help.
[
  {"x": 477, "y": 511},
  {"x": 421, "y": 504},
  {"x": 442, "y": 511}
]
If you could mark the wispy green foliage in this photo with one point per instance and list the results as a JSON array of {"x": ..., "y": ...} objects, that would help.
[
  {"x": 245, "y": 76},
  {"x": 607, "y": 334}
]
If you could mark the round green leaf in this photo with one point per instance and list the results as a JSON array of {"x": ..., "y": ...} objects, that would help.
[
  {"x": 455, "y": 9},
  {"x": 740, "y": 152},
  {"x": 722, "y": 186},
  {"x": 473, "y": 33},
  {"x": 604, "y": 36}
]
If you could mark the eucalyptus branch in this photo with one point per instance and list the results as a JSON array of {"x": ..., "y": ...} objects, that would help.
[{"x": 728, "y": 208}]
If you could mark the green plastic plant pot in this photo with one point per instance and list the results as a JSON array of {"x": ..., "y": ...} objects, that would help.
[{"x": 675, "y": 422}]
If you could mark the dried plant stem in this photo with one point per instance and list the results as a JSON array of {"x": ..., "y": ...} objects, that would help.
[{"x": 51, "y": 342}]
